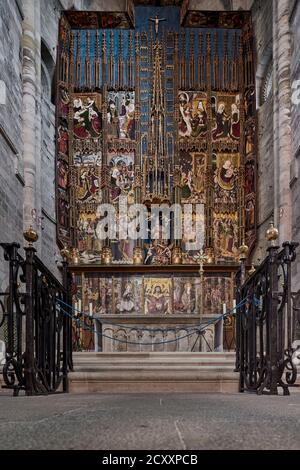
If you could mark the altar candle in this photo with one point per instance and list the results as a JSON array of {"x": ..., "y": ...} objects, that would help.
[
  {"x": 76, "y": 309},
  {"x": 224, "y": 309},
  {"x": 79, "y": 306},
  {"x": 91, "y": 309},
  {"x": 234, "y": 306}
]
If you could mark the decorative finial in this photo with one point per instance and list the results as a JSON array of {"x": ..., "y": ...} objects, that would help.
[
  {"x": 30, "y": 236},
  {"x": 272, "y": 234},
  {"x": 243, "y": 250},
  {"x": 65, "y": 253}
]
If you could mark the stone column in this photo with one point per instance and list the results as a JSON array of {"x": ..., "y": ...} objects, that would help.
[
  {"x": 282, "y": 103},
  {"x": 31, "y": 74}
]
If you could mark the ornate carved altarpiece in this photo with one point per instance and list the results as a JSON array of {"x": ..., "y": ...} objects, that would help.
[{"x": 163, "y": 113}]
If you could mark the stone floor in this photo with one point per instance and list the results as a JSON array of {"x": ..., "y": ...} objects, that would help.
[{"x": 150, "y": 422}]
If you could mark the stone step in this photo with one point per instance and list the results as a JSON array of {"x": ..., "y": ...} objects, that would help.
[
  {"x": 153, "y": 372},
  {"x": 95, "y": 360}
]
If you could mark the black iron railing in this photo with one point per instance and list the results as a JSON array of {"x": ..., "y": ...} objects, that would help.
[
  {"x": 37, "y": 334},
  {"x": 265, "y": 327}
]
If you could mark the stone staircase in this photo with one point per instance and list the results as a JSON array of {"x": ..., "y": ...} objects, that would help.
[{"x": 154, "y": 372}]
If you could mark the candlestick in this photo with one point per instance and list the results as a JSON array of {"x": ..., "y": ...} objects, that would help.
[
  {"x": 234, "y": 306},
  {"x": 91, "y": 309}
]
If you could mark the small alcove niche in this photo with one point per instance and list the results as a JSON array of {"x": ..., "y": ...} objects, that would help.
[{"x": 47, "y": 73}]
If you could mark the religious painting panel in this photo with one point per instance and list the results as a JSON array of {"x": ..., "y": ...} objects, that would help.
[
  {"x": 88, "y": 244},
  {"x": 88, "y": 183},
  {"x": 101, "y": 20},
  {"x": 226, "y": 180},
  {"x": 158, "y": 252},
  {"x": 186, "y": 296},
  {"x": 62, "y": 175},
  {"x": 249, "y": 103},
  {"x": 158, "y": 296},
  {"x": 226, "y": 236},
  {"x": 63, "y": 139},
  {"x": 128, "y": 295},
  {"x": 214, "y": 19},
  {"x": 193, "y": 232},
  {"x": 250, "y": 137},
  {"x": 63, "y": 216},
  {"x": 250, "y": 221},
  {"x": 218, "y": 290},
  {"x": 122, "y": 251},
  {"x": 97, "y": 294},
  {"x": 193, "y": 168},
  {"x": 121, "y": 115},
  {"x": 121, "y": 174},
  {"x": 249, "y": 177},
  {"x": 87, "y": 118},
  {"x": 226, "y": 124},
  {"x": 63, "y": 104},
  {"x": 192, "y": 114}
]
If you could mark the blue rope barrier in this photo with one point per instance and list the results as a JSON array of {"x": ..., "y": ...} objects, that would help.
[
  {"x": 195, "y": 329},
  {"x": 186, "y": 327},
  {"x": 104, "y": 335}
]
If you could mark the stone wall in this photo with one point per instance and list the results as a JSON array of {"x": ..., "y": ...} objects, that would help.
[
  {"x": 295, "y": 176},
  {"x": 11, "y": 132},
  {"x": 262, "y": 21},
  {"x": 11, "y": 146}
]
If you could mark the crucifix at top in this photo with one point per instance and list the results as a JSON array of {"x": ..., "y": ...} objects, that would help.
[{"x": 156, "y": 21}]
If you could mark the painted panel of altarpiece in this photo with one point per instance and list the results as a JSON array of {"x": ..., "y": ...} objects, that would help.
[
  {"x": 121, "y": 115},
  {"x": 193, "y": 167},
  {"x": 86, "y": 173},
  {"x": 128, "y": 295},
  {"x": 122, "y": 175},
  {"x": 152, "y": 295},
  {"x": 226, "y": 118},
  {"x": 193, "y": 115},
  {"x": 62, "y": 163}
]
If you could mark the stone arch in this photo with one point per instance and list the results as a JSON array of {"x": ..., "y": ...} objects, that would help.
[
  {"x": 133, "y": 336},
  {"x": 183, "y": 343},
  {"x": 108, "y": 342},
  {"x": 158, "y": 338},
  {"x": 120, "y": 342},
  {"x": 171, "y": 336}
]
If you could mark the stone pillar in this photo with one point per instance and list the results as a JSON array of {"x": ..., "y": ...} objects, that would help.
[
  {"x": 31, "y": 77},
  {"x": 282, "y": 103}
]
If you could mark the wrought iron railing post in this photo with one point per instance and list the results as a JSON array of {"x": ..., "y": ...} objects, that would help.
[
  {"x": 11, "y": 252},
  {"x": 273, "y": 320},
  {"x": 67, "y": 321},
  {"x": 29, "y": 366},
  {"x": 240, "y": 280}
]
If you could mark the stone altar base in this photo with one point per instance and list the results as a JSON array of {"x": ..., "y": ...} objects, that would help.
[
  {"x": 149, "y": 334},
  {"x": 154, "y": 372}
]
